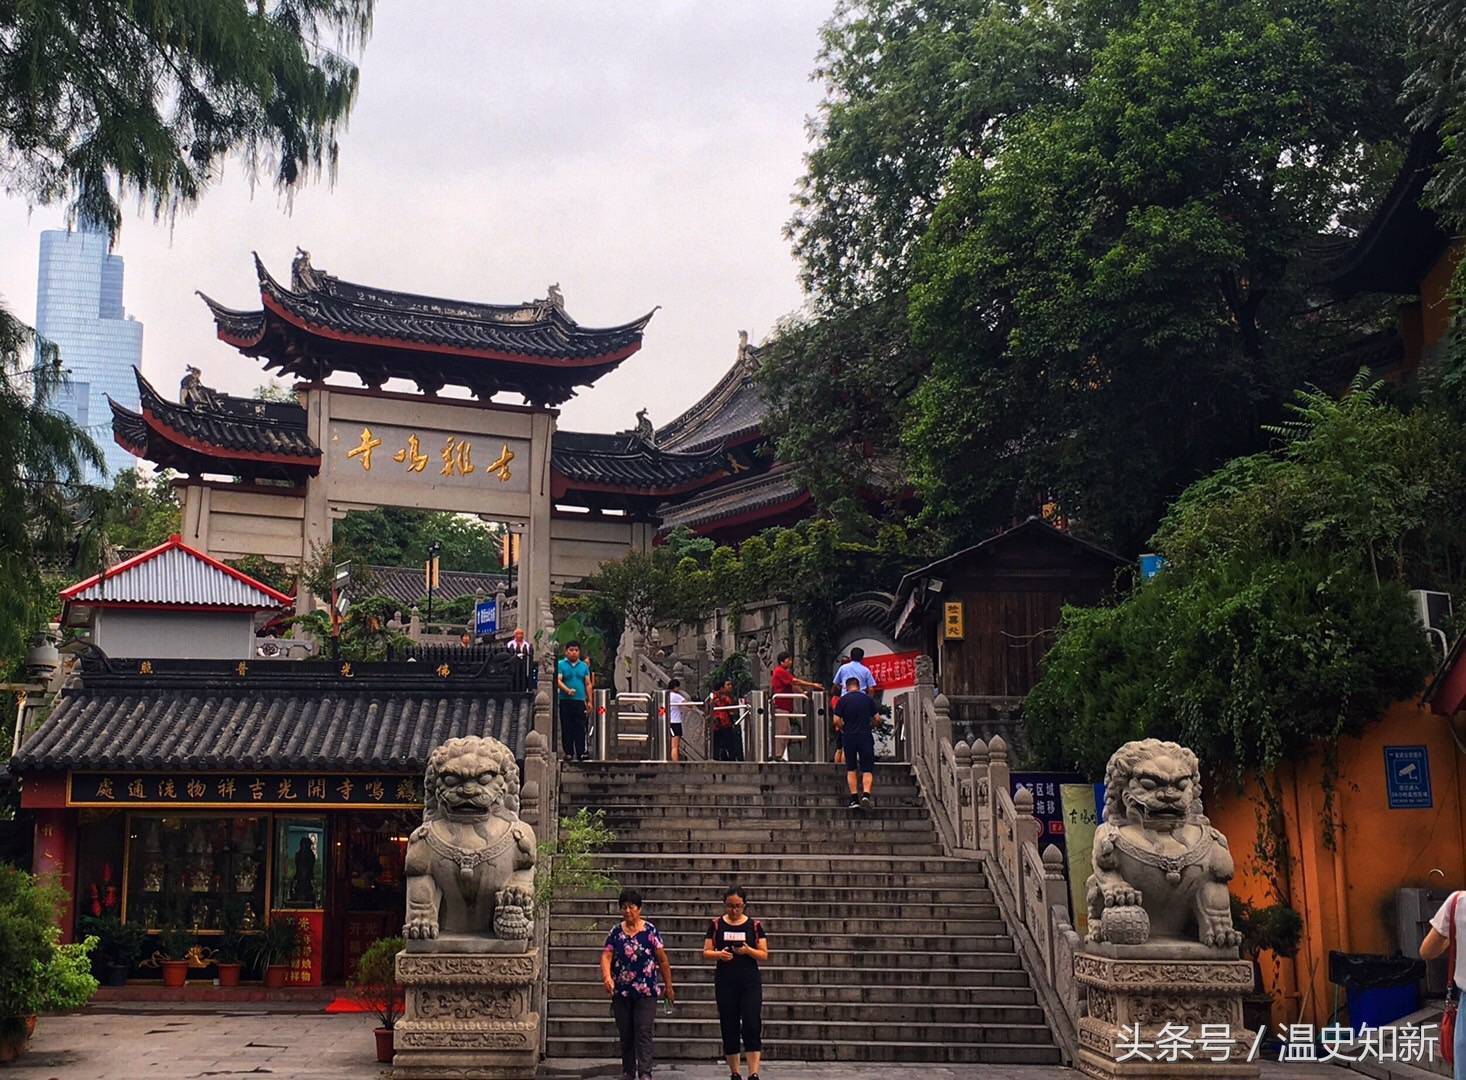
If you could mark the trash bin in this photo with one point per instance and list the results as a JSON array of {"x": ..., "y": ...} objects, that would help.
[{"x": 1380, "y": 989}]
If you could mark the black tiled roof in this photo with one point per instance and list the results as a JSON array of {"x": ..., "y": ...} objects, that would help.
[
  {"x": 730, "y": 410},
  {"x": 132, "y": 432},
  {"x": 230, "y": 429},
  {"x": 630, "y": 462},
  {"x": 375, "y": 722},
  {"x": 534, "y": 348},
  {"x": 404, "y": 584}
]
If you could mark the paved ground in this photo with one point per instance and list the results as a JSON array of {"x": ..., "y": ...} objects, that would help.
[{"x": 162, "y": 1044}]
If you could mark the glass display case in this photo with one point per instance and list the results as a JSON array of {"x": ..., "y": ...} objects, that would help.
[
  {"x": 185, "y": 869},
  {"x": 300, "y": 863}
]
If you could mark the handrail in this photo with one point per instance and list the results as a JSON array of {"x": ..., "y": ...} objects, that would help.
[{"x": 967, "y": 786}]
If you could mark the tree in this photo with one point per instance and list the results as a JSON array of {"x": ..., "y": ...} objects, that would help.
[
  {"x": 1118, "y": 302},
  {"x": 48, "y": 518},
  {"x": 390, "y": 536},
  {"x": 276, "y": 391},
  {"x": 152, "y": 96},
  {"x": 1280, "y": 623},
  {"x": 1436, "y": 90},
  {"x": 142, "y": 511}
]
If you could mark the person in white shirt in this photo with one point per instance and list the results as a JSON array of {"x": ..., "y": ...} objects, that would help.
[
  {"x": 517, "y": 644},
  {"x": 1437, "y": 943},
  {"x": 675, "y": 700}
]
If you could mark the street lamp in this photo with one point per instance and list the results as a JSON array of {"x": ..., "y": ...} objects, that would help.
[{"x": 432, "y": 573}]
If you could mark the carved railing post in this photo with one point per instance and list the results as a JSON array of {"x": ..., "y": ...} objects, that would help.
[
  {"x": 543, "y": 714},
  {"x": 966, "y": 797},
  {"x": 998, "y": 777},
  {"x": 1055, "y": 894},
  {"x": 982, "y": 798},
  {"x": 921, "y": 696},
  {"x": 531, "y": 796}
]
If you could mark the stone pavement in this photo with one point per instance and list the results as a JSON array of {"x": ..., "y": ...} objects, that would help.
[{"x": 165, "y": 1044}]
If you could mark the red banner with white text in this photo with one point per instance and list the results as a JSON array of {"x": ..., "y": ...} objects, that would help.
[{"x": 893, "y": 671}]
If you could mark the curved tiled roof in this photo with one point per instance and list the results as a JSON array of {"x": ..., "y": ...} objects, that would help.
[
  {"x": 626, "y": 461},
  {"x": 229, "y": 429},
  {"x": 130, "y": 724},
  {"x": 730, "y": 410},
  {"x": 533, "y": 348}
]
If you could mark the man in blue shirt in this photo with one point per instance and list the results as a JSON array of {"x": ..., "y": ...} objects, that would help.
[
  {"x": 855, "y": 669},
  {"x": 855, "y": 716},
  {"x": 574, "y": 683}
]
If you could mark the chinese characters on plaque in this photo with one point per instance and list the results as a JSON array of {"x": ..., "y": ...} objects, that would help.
[
  {"x": 456, "y": 455},
  {"x": 243, "y": 789}
]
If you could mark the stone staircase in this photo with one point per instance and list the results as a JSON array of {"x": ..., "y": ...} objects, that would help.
[{"x": 882, "y": 949}]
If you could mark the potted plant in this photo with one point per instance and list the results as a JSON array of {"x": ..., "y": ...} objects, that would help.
[
  {"x": 1276, "y": 928},
  {"x": 375, "y": 985},
  {"x": 119, "y": 945},
  {"x": 175, "y": 943},
  {"x": 35, "y": 974},
  {"x": 229, "y": 952},
  {"x": 275, "y": 947}
]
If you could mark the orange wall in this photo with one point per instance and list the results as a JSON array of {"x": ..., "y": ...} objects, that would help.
[
  {"x": 1346, "y": 895},
  {"x": 1435, "y": 307}
]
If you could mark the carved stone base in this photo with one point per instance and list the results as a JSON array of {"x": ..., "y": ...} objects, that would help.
[
  {"x": 467, "y": 1015},
  {"x": 1197, "y": 991}
]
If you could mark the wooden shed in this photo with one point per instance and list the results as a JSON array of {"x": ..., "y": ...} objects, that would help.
[{"x": 988, "y": 613}]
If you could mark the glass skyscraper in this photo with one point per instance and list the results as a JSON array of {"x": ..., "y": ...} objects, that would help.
[{"x": 79, "y": 310}]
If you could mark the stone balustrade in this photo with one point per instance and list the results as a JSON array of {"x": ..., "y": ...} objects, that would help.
[{"x": 968, "y": 788}]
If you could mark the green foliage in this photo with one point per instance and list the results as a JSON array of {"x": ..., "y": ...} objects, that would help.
[
  {"x": 593, "y": 647},
  {"x": 280, "y": 941},
  {"x": 119, "y": 944},
  {"x": 229, "y": 946},
  {"x": 174, "y": 941},
  {"x": 390, "y": 536},
  {"x": 566, "y": 865},
  {"x": 142, "y": 511},
  {"x": 28, "y": 934},
  {"x": 1281, "y": 623},
  {"x": 1436, "y": 90},
  {"x": 1112, "y": 306},
  {"x": 374, "y": 983},
  {"x": 1276, "y": 928},
  {"x": 276, "y": 391},
  {"x": 735, "y": 667},
  {"x": 1058, "y": 251},
  {"x": 65, "y": 980},
  {"x": 158, "y": 95},
  {"x": 50, "y": 523},
  {"x": 364, "y": 632},
  {"x": 266, "y": 571}
]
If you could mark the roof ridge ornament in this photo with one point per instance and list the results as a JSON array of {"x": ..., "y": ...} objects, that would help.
[
  {"x": 556, "y": 297},
  {"x": 193, "y": 394}
]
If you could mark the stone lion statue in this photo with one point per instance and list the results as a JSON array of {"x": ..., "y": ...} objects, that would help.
[
  {"x": 470, "y": 864},
  {"x": 1160, "y": 869}
]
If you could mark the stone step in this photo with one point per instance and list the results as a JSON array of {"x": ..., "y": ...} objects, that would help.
[
  {"x": 930, "y": 937},
  {"x": 642, "y": 846},
  {"x": 794, "y": 905},
  {"x": 693, "y": 986},
  {"x": 773, "y": 805},
  {"x": 761, "y": 893},
  {"x": 702, "y": 1006},
  {"x": 784, "y": 772},
  {"x": 849, "y": 833},
  {"x": 887, "y": 955},
  {"x": 673, "y": 923},
  {"x": 846, "y": 1046},
  {"x": 775, "y": 974},
  {"x": 765, "y": 863},
  {"x": 678, "y": 1026}
]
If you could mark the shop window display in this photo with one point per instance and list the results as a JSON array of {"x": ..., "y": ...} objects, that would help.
[
  {"x": 99, "y": 846},
  {"x": 184, "y": 870},
  {"x": 376, "y": 896},
  {"x": 300, "y": 863}
]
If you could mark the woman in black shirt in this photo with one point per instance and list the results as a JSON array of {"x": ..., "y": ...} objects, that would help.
[{"x": 738, "y": 944}]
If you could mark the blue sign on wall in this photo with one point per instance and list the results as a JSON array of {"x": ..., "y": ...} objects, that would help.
[
  {"x": 1407, "y": 777},
  {"x": 486, "y": 617},
  {"x": 1046, "y": 803},
  {"x": 1151, "y": 565}
]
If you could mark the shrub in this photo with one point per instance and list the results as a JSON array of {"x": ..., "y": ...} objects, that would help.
[{"x": 375, "y": 982}]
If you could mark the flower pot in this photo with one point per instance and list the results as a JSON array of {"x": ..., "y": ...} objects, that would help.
[
  {"x": 228, "y": 973},
  {"x": 175, "y": 972},
  {"x": 384, "y": 1045},
  {"x": 13, "y": 1036},
  {"x": 117, "y": 974},
  {"x": 275, "y": 976}
]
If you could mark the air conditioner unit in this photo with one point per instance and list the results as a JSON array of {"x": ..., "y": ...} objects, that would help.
[{"x": 1433, "y": 609}]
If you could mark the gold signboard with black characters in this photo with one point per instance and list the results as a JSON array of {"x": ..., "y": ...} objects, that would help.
[{"x": 952, "y": 620}]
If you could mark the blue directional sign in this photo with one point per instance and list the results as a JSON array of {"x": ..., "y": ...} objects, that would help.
[
  {"x": 1407, "y": 777},
  {"x": 486, "y": 617}
]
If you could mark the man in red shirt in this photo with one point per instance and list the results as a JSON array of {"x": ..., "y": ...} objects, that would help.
[{"x": 784, "y": 681}]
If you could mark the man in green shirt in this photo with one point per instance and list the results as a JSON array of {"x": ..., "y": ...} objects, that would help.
[{"x": 574, "y": 683}]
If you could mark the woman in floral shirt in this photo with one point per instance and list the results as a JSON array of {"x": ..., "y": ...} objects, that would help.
[{"x": 630, "y": 962}]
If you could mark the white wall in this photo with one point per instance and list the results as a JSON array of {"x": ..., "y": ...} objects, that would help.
[{"x": 175, "y": 635}]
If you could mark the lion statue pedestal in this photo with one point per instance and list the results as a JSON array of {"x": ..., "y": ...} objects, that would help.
[
  {"x": 1165, "y": 982},
  {"x": 469, "y": 965}
]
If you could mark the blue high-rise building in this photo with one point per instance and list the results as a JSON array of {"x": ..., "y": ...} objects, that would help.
[{"x": 79, "y": 310}]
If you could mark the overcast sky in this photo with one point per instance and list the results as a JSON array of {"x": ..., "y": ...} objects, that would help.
[{"x": 637, "y": 153}]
